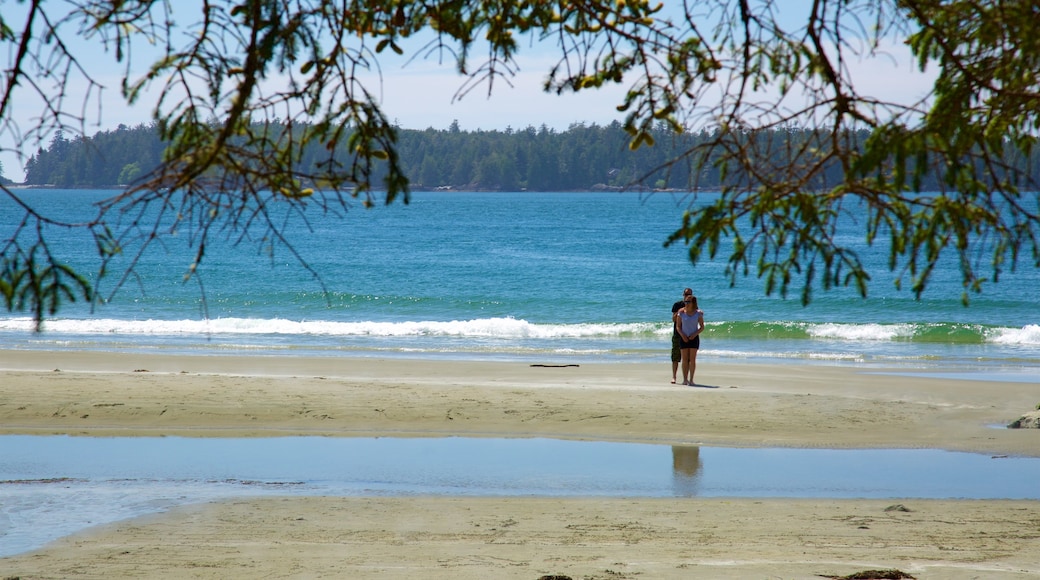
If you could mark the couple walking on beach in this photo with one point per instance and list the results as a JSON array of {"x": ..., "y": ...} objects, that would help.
[{"x": 687, "y": 324}]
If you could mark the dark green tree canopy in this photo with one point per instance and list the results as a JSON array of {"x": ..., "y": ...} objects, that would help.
[
  {"x": 224, "y": 71},
  {"x": 580, "y": 157}
]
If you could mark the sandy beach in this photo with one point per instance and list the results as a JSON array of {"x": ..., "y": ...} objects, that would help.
[{"x": 739, "y": 405}]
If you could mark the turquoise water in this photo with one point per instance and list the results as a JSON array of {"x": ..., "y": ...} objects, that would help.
[{"x": 564, "y": 277}]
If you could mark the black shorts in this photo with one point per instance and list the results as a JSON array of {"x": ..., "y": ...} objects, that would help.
[{"x": 695, "y": 343}]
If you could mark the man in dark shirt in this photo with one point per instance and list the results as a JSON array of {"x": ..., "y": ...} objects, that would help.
[{"x": 676, "y": 352}]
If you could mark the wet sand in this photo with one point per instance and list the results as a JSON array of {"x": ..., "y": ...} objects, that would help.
[{"x": 739, "y": 405}]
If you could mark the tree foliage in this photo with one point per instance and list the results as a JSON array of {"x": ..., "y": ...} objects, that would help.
[{"x": 245, "y": 87}]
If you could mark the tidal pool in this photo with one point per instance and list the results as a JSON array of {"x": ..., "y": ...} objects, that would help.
[{"x": 51, "y": 486}]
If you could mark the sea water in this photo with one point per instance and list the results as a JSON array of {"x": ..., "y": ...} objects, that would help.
[{"x": 548, "y": 277}]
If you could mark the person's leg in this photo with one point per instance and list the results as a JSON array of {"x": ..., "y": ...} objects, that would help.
[
  {"x": 676, "y": 355},
  {"x": 693, "y": 364},
  {"x": 685, "y": 366}
]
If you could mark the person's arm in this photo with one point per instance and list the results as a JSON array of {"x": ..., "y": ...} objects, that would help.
[{"x": 700, "y": 322}]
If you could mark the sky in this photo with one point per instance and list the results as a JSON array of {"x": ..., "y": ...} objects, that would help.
[{"x": 422, "y": 94}]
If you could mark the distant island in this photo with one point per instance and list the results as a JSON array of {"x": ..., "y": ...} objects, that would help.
[{"x": 581, "y": 158}]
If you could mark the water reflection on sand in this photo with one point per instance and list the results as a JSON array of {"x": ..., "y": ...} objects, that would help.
[
  {"x": 53, "y": 486},
  {"x": 686, "y": 468}
]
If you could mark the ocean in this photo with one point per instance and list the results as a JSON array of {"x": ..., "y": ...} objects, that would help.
[{"x": 542, "y": 277}]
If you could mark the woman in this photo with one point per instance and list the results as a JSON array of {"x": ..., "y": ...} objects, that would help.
[{"x": 690, "y": 323}]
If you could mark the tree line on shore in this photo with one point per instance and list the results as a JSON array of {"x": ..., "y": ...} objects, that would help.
[{"x": 582, "y": 157}]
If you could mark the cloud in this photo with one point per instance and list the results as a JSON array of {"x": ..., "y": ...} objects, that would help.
[{"x": 430, "y": 97}]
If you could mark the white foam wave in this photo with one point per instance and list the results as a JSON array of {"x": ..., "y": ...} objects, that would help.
[
  {"x": 506, "y": 328},
  {"x": 1027, "y": 335},
  {"x": 477, "y": 328},
  {"x": 861, "y": 331}
]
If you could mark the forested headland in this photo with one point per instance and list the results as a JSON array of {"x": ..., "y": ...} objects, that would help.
[{"x": 582, "y": 157}]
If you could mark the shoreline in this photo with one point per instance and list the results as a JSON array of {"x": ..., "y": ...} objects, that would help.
[{"x": 741, "y": 405}]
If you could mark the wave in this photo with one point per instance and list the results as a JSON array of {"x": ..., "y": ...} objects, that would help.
[
  {"x": 511, "y": 328},
  {"x": 917, "y": 332},
  {"x": 477, "y": 328}
]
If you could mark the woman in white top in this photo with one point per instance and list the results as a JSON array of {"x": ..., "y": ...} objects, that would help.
[{"x": 690, "y": 323}]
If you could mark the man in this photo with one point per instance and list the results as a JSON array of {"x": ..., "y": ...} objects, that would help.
[{"x": 676, "y": 339}]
